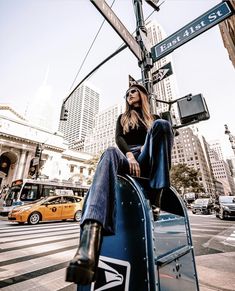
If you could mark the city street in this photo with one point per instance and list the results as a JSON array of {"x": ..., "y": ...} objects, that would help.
[{"x": 35, "y": 257}]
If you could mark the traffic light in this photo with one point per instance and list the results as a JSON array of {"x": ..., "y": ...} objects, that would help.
[
  {"x": 63, "y": 113},
  {"x": 38, "y": 151}
]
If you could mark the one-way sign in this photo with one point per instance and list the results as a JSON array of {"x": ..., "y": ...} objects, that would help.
[{"x": 162, "y": 73}]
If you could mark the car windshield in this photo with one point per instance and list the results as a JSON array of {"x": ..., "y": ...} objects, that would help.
[
  {"x": 201, "y": 201},
  {"x": 227, "y": 199}
]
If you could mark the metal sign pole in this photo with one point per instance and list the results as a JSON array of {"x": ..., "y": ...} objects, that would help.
[{"x": 146, "y": 63}]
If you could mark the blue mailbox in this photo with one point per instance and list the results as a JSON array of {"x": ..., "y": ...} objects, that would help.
[{"x": 146, "y": 255}]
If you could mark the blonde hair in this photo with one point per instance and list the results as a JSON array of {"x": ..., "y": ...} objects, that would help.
[{"x": 130, "y": 118}]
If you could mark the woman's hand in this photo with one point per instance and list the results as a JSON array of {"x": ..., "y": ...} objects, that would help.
[{"x": 133, "y": 164}]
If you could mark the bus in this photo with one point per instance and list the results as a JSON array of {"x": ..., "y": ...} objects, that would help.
[{"x": 27, "y": 190}]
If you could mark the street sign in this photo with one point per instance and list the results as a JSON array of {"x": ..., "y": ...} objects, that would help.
[
  {"x": 162, "y": 73},
  {"x": 115, "y": 22},
  {"x": 35, "y": 161},
  {"x": 191, "y": 30}
]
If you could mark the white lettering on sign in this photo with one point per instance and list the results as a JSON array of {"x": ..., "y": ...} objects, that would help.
[
  {"x": 194, "y": 28},
  {"x": 214, "y": 16}
]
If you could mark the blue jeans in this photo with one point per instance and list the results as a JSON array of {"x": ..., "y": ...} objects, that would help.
[{"x": 154, "y": 161}]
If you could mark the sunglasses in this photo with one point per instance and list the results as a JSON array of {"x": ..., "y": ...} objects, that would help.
[{"x": 132, "y": 91}]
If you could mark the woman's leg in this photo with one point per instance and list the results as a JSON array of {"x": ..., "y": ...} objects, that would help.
[
  {"x": 155, "y": 161},
  {"x": 99, "y": 205},
  {"x": 155, "y": 158},
  {"x": 98, "y": 216}
]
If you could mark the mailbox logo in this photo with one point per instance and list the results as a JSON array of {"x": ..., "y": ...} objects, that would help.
[{"x": 113, "y": 275}]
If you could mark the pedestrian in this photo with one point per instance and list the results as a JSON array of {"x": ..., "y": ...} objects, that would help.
[{"x": 144, "y": 149}]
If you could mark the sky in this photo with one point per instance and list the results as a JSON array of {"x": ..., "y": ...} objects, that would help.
[{"x": 43, "y": 44}]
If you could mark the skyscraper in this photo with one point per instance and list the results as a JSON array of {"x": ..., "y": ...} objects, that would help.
[
  {"x": 82, "y": 107},
  {"x": 188, "y": 150},
  {"x": 103, "y": 133},
  {"x": 220, "y": 168},
  {"x": 166, "y": 89}
]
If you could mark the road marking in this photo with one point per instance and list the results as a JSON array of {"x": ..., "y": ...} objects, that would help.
[{"x": 34, "y": 260}]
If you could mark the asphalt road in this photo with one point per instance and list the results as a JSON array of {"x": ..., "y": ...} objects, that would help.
[
  {"x": 212, "y": 235},
  {"x": 36, "y": 256}
]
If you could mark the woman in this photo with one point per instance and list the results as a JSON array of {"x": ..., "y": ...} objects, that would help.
[{"x": 144, "y": 143}]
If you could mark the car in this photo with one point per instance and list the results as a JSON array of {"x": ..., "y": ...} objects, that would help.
[
  {"x": 202, "y": 206},
  {"x": 59, "y": 207},
  {"x": 225, "y": 207}
]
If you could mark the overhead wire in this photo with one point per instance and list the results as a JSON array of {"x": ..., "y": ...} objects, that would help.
[
  {"x": 80, "y": 68},
  {"x": 89, "y": 75}
]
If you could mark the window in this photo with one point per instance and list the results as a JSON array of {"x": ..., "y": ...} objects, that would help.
[{"x": 29, "y": 192}]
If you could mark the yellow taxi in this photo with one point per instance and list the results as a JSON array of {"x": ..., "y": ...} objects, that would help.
[{"x": 59, "y": 207}]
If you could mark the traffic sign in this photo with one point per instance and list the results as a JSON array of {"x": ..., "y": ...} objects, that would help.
[
  {"x": 115, "y": 22},
  {"x": 162, "y": 73},
  {"x": 35, "y": 161},
  {"x": 191, "y": 30}
]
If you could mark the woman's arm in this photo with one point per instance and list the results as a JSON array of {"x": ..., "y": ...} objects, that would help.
[
  {"x": 119, "y": 137},
  {"x": 123, "y": 146}
]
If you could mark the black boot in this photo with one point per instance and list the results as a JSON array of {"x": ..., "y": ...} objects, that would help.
[
  {"x": 156, "y": 204},
  {"x": 82, "y": 268}
]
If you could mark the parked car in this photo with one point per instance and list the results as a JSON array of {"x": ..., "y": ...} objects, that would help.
[
  {"x": 202, "y": 206},
  {"x": 189, "y": 198},
  {"x": 225, "y": 207},
  {"x": 59, "y": 207}
]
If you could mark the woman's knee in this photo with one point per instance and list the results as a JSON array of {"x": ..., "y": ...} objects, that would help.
[
  {"x": 112, "y": 151},
  {"x": 161, "y": 124}
]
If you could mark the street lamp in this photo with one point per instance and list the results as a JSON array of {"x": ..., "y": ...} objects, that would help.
[{"x": 231, "y": 138}]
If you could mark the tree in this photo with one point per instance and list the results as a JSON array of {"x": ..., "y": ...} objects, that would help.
[{"x": 184, "y": 178}]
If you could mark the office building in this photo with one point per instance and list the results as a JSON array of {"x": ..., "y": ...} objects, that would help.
[
  {"x": 220, "y": 168},
  {"x": 82, "y": 107},
  {"x": 189, "y": 150},
  {"x": 103, "y": 134},
  {"x": 166, "y": 89},
  {"x": 227, "y": 30}
]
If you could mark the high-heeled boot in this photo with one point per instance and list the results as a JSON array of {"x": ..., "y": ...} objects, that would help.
[
  {"x": 82, "y": 268},
  {"x": 156, "y": 205}
]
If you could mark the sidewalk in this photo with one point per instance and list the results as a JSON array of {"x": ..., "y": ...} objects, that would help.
[{"x": 216, "y": 272}]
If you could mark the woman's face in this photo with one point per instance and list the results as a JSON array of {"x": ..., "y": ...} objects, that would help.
[{"x": 133, "y": 97}]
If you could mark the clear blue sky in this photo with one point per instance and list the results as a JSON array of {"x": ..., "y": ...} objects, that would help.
[{"x": 56, "y": 34}]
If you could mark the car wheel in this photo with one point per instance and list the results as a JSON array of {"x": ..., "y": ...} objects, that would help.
[
  {"x": 221, "y": 214},
  {"x": 78, "y": 215},
  {"x": 34, "y": 218}
]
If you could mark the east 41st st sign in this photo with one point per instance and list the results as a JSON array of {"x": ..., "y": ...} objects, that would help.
[{"x": 191, "y": 30}]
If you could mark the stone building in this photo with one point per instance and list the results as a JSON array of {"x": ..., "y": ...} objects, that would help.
[{"x": 18, "y": 142}]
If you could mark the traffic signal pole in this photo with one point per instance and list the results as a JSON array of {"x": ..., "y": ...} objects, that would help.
[{"x": 146, "y": 64}]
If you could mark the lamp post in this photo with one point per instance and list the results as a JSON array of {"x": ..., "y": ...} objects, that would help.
[{"x": 231, "y": 138}]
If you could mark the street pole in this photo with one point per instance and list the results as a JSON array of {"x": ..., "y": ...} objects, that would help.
[
  {"x": 231, "y": 138},
  {"x": 147, "y": 63}
]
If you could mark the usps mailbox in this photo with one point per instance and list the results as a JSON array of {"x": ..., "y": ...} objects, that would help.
[{"x": 144, "y": 254}]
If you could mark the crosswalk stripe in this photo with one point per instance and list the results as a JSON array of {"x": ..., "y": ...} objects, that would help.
[
  {"x": 36, "y": 258},
  {"x": 21, "y": 237},
  {"x": 52, "y": 281}
]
